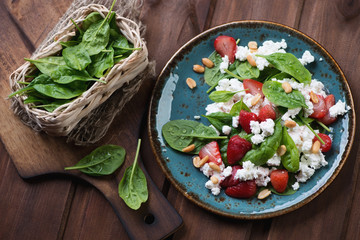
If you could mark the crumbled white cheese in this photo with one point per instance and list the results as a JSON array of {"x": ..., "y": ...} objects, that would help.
[
  {"x": 197, "y": 117},
  {"x": 295, "y": 186},
  {"x": 305, "y": 172},
  {"x": 250, "y": 171},
  {"x": 235, "y": 121},
  {"x": 226, "y": 129},
  {"x": 215, "y": 188},
  {"x": 338, "y": 109},
  {"x": 224, "y": 64},
  {"x": 227, "y": 171},
  {"x": 306, "y": 58},
  {"x": 241, "y": 53},
  {"x": 291, "y": 113},
  {"x": 261, "y": 130},
  {"x": 274, "y": 160}
]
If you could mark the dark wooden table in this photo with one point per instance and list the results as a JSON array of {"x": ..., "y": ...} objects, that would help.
[{"x": 57, "y": 207}]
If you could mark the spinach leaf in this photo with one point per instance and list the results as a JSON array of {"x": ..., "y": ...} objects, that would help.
[
  {"x": 103, "y": 160},
  {"x": 276, "y": 94},
  {"x": 222, "y": 96},
  {"x": 90, "y": 19},
  {"x": 49, "y": 105},
  {"x": 267, "y": 148},
  {"x": 121, "y": 44},
  {"x": 133, "y": 186},
  {"x": 41, "y": 79},
  {"x": 237, "y": 107},
  {"x": 281, "y": 76},
  {"x": 267, "y": 74},
  {"x": 96, "y": 37},
  {"x": 101, "y": 62},
  {"x": 181, "y": 133},
  {"x": 245, "y": 135},
  {"x": 65, "y": 75},
  {"x": 213, "y": 75},
  {"x": 290, "y": 160},
  {"x": 47, "y": 65},
  {"x": 76, "y": 57},
  {"x": 245, "y": 70},
  {"x": 219, "y": 119},
  {"x": 288, "y": 63},
  {"x": 114, "y": 29},
  {"x": 69, "y": 43},
  {"x": 61, "y": 91}
]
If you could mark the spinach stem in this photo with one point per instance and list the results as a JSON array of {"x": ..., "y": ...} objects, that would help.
[
  {"x": 24, "y": 83},
  {"x": 323, "y": 125},
  {"x": 81, "y": 166},
  {"x": 312, "y": 130},
  {"x": 233, "y": 75},
  {"x": 211, "y": 88},
  {"x": 77, "y": 26},
  {"x": 237, "y": 41},
  {"x": 135, "y": 160}
]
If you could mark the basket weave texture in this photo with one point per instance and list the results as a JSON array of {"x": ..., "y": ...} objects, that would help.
[{"x": 76, "y": 119}]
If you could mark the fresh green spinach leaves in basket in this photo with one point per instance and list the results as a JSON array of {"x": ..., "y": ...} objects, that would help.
[{"x": 86, "y": 58}]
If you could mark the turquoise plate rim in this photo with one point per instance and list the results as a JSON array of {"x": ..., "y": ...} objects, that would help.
[{"x": 153, "y": 134}]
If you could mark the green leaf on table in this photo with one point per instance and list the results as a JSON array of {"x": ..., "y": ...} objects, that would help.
[
  {"x": 133, "y": 186},
  {"x": 102, "y": 161}
]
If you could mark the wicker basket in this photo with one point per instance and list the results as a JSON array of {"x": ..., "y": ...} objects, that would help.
[{"x": 123, "y": 75}]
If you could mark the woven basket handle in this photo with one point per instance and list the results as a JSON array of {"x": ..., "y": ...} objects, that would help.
[{"x": 156, "y": 219}]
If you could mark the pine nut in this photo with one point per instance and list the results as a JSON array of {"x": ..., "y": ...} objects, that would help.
[
  {"x": 287, "y": 87},
  {"x": 264, "y": 194},
  {"x": 252, "y": 45},
  {"x": 197, "y": 162},
  {"x": 198, "y": 68},
  {"x": 251, "y": 60},
  {"x": 255, "y": 99},
  {"x": 189, "y": 148},
  {"x": 315, "y": 147},
  {"x": 281, "y": 150},
  {"x": 290, "y": 123},
  {"x": 214, "y": 180},
  {"x": 191, "y": 83},
  {"x": 207, "y": 62},
  {"x": 214, "y": 167},
  {"x": 313, "y": 97}
]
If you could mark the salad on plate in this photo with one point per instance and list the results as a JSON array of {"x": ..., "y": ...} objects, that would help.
[{"x": 270, "y": 122}]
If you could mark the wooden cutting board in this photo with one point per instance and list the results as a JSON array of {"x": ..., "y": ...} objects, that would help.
[{"x": 36, "y": 154}]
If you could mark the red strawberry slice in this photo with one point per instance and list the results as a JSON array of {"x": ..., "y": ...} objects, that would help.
[
  {"x": 244, "y": 189},
  {"x": 279, "y": 179},
  {"x": 230, "y": 180},
  {"x": 237, "y": 148},
  {"x": 213, "y": 151},
  {"x": 324, "y": 147},
  {"x": 327, "y": 119},
  {"x": 253, "y": 87},
  {"x": 245, "y": 118},
  {"x": 266, "y": 112},
  {"x": 319, "y": 108},
  {"x": 226, "y": 45}
]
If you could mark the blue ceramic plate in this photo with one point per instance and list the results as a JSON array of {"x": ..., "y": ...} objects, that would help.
[{"x": 172, "y": 99}]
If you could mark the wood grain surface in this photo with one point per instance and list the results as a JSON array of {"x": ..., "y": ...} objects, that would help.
[{"x": 58, "y": 207}]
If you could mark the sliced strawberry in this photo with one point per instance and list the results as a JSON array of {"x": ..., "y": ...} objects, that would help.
[
  {"x": 319, "y": 108},
  {"x": 245, "y": 118},
  {"x": 266, "y": 112},
  {"x": 324, "y": 147},
  {"x": 244, "y": 189},
  {"x": 279, "y": 180},
  {"x": 253, "y": 87},
  {"x": 237, "y": 148},
  {"x": 213, "y": 151},
  {"x": 226, "y": 45},
  {"x": 230, "y": 180},
  {"x": 327, "y": 119}
]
